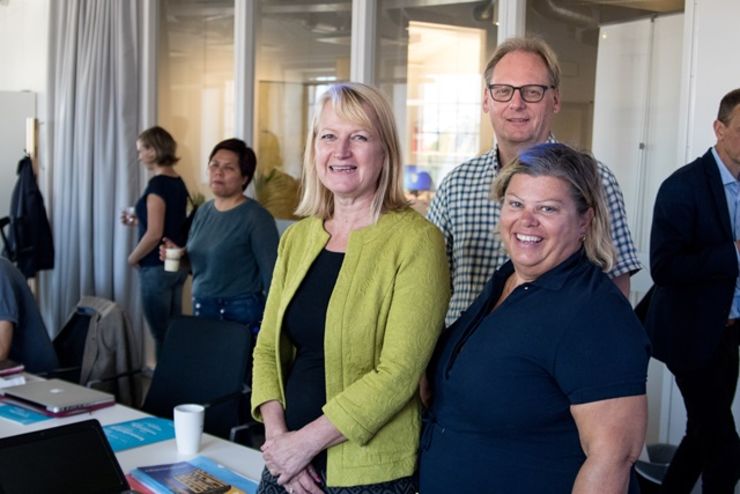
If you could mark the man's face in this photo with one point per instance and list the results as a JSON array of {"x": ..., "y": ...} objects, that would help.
[
  {"x": 728, "y": 140},
  {"x": 516, "y": 123}
]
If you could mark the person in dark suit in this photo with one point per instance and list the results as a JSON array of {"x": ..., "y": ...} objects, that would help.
[{"x": 694, "y": 316}]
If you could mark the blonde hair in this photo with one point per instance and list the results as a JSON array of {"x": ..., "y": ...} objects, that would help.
[
  {"x": 580, "y": 172},
  {"x": 162, "y": 142},
  {"x": 366, "y": 106}
]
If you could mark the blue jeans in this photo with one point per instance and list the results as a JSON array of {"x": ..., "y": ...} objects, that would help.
[
  {"x": 244, "y": 309},
  {"x": 161, "y": 297}
]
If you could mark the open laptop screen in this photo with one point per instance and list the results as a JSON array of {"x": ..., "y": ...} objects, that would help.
[{"x": 70, "y": 458}]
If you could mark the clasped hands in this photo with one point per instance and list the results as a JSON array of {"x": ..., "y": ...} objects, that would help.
[{"x": 288, "y": 457}]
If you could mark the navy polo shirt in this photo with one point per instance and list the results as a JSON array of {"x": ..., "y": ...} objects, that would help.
[{"x": 504, "y": 381}]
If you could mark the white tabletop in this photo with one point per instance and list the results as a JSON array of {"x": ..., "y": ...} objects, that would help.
[{"x": 245, "y": 461}]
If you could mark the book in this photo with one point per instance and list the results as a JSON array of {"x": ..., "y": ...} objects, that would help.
[
  {"x": 201, "y": 475},
  {"x": 9, "y": 367},
  {"x": 21, "y": 415},
  {"x": 138, "y": 432},
  {"x": 137, "y": 486}
]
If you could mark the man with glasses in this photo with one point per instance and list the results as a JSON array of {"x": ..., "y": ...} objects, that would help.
[{"x": 521, "y": 97}]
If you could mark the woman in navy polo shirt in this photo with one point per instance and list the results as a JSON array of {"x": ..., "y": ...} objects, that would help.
[{"x": 540, "y": 385}]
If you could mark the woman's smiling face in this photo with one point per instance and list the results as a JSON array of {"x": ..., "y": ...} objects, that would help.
[
  {"x": 349, "y": 156},
  {"x": 540, "y": 224}
]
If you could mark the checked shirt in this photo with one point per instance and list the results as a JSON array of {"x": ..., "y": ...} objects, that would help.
[{"x": 463, "y": 211}]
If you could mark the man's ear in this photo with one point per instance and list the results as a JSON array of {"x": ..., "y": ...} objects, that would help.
[
  {"x": 556, "y": 100},
  {"x": 719, "y": 129},
  {"x": 486, "y": 99}
]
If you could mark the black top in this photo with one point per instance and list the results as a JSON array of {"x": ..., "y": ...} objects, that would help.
[
  {"x": 304, "y": 324},
  {"x": 173, "y": 192},
  {"x": 504, "y": 381}
]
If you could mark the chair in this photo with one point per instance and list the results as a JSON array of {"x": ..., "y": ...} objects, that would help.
[
  {"x": 203, "y": 361},
  {"x": 98, "y": 348},
  {"x": 650, "y": 473},
  {"x": 69, "y": 346}
]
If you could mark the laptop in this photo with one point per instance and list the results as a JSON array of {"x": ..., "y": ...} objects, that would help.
[
  {"x": 59, "y": 398},
  {"x": 69, "y": 458}
]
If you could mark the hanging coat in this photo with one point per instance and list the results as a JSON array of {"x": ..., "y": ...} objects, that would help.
[{"x": 30, "y": 233}]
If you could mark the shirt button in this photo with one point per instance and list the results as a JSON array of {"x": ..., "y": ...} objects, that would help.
[
  {"x": 197, "y": 306},
  {"x": 223, "y": 311}
]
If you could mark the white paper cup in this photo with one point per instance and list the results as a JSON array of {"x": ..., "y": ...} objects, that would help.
[
  {"x": 172, "y": 259},
  {"x": 188, "y": 427}
]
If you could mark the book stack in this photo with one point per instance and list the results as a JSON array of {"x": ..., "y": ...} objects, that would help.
[{"x": 200, "y": 475}]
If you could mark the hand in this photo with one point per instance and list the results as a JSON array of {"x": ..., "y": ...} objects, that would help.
[
  {"x": 128, "y": 218},
  {"x": 286, "y": 455},
  {"x": 166, "y": 244},
  {"x": 307, "y": 481}
]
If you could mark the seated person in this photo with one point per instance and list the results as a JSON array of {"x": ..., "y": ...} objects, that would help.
[{"x": 23, "y": 336}]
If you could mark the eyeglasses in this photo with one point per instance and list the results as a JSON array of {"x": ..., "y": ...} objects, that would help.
[{"x": 531, "y": 93}]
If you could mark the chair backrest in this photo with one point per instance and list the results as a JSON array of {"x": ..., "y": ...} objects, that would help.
[
  {"x": 69, "y": 344},
  {"x": 201, "y": 361}
]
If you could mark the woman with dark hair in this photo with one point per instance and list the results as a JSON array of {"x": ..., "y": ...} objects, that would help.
[
  {"x": 232, "y": 242},
  {"x": 160, "y": 212}
]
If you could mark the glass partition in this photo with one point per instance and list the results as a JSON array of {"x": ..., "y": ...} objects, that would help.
[
  {"x": 301, "y": 47},
  {"x": 196, "y": 81},
  {"x": 430, "y": 55}
]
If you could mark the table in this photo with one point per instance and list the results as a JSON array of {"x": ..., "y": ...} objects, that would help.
[{"x": 240, "y": 459}]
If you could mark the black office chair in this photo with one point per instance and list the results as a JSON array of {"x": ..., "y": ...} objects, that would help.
[
  {"x": 650, "y": 473},
  {"x": 69, "y": 346},
  {"x": 203, "y": 361}
]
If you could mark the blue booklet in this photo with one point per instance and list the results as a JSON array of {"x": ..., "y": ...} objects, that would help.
[
  {"x": 21, "y": 415},
  {"x": 200, "y": 475},
  {"x": 139, "y": 432}
]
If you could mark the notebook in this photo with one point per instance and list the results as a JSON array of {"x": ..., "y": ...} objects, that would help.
[
  {"x": 58, "y": 398},
  {"x": 69, "y": 458}
]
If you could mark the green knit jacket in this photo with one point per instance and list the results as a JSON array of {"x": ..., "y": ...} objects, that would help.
[{"x": 383, "y": 319}]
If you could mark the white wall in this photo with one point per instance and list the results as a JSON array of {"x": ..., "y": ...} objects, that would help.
[
  {"x": 24, "y": 35},
  {"x": 635, "y": 128},
  {"x": 711, "y": 67}
]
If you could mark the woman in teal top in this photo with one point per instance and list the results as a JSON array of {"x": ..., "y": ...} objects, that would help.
[
  {"x": 232, "y": 243},
  {"x": 357, "y": 302}
]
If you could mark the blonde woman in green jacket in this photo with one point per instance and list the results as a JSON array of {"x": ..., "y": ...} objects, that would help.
[{"x": 356, "y": 304}]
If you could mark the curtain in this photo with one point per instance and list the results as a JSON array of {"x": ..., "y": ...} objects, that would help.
[{"x": 93, "y": 122}]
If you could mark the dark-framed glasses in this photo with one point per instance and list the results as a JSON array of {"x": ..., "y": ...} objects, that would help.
[{"x": 531, "y": 93}]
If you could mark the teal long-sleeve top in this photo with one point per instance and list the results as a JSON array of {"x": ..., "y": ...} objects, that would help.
[
  {"x": 383, "y": 319},
  {"x": 232, "y": 253}
]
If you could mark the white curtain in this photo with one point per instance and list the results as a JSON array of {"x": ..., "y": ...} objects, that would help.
[{"x": 94, "y": 117}]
